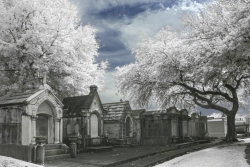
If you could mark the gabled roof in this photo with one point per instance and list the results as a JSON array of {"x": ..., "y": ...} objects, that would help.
[
  {"x": 17, "y": 98},
  {"x": 25, "y": 97},
  {"x": 117, "y": 106},
  {"x": 138, "y": 112},
  {"x": 116, "y": 111},
  {"x": 73, "y": 105},
  {"x": 114, "y": 116}
]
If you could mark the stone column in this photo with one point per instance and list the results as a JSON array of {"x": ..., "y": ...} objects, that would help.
[
  {"x": 61, "y": 131},
  {"x": 88, "y": 129},
  {"x": 33, "y": 129},
  {"x": 101, "y": 117},
  {"x": 88, "y": 123},
  {"x": 57, "y": 130}
]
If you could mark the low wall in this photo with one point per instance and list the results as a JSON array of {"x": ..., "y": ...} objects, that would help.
[
  {"x": 217, "y": 127},
  {"x": 17, "y": 151}
]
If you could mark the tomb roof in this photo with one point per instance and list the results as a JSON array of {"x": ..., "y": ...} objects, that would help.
[
  {"x": 117, "y": 106},
  {"x": 74, "y": 105},
  {"x": 116, "y": 111},
  {"x": 21, "y": 98}
]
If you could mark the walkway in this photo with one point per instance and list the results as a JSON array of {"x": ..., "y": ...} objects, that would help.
[
  {"x": 136, "y": 156},
  {"x": 247, "y": 152}
]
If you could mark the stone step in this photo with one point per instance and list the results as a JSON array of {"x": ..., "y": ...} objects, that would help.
[
  {"x": 52, "y": 146},
  {"x": 56, "y": 152},
  {"x": 54, "y": 157}
]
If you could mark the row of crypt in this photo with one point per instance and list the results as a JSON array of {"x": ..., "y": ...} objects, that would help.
[{"x": 24, "y": 116}]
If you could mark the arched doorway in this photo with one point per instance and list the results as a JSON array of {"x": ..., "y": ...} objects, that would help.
[
  {"x": 45, "y": 122},
  {"x": 128, "y": 127},
  {"x": 42, "y": 126},
  {"x": 94, "y": 125}
]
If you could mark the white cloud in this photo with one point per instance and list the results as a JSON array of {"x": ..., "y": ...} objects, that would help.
[{"x": 151, "y": 22}]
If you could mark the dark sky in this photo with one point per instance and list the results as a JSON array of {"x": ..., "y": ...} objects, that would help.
[{"x": 121, "y": 24}]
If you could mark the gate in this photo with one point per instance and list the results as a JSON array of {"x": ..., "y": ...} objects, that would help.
[{"x": 10, "y": 126}]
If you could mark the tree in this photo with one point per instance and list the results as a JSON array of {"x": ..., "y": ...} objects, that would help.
[
  {"x": 46, "y": 36},
  {"x": 205, "y": 64}
]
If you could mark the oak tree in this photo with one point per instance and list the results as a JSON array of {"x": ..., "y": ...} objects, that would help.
[
  {"x": 206, "y": 64},
  {"x": 47, "y": 36}
]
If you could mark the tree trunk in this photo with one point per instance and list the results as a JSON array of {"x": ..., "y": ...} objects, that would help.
[{"x": 231, "y": 133}]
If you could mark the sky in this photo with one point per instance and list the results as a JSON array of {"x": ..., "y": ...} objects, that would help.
[{"x": 121, "y": 24}]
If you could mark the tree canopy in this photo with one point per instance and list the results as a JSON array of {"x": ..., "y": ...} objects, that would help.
[
  {"x": 47, "y": 36},
  {"x": 205, "y": 64}
]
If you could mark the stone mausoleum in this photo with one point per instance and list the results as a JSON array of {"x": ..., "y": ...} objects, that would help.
[
  {"x": 83, "y": 116},
  {"x": 164, "y": 127},
  {"x": 119, "y": 124},
  {"x": 24, "y": 116},
  {"x": 39, "y": 113}
]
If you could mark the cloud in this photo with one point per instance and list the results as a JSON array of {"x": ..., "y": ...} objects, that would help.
[
  {"x": 120, "y": 25},
  {"x": 151, "y": 22},
  {"x": 88, "y": 6},
  {"x": 155, "y": 16}
]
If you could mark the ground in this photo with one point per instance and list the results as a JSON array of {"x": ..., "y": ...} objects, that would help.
[
  {"x": 229, "y": 155},
  {"x": 11, "y": 162},
  {"x": 226, "y": 155}
]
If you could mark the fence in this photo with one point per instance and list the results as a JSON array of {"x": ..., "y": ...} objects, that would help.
[{"x": 10, "y": 126}]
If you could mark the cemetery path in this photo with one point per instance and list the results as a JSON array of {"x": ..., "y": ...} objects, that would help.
[
  {"x": 229, "y": 155},
  {"x": 129, "y": 156},
  {"x": 215, "y": 154},
  {"x": 247, "y": 152}
]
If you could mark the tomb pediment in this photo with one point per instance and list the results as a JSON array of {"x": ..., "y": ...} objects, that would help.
[
  {"x": 172, "y": 110},
  {"x": 184, "y": 112},
  {"x": 73, "y": 106}
]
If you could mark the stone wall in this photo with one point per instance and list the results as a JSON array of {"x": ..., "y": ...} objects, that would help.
[
  {"x": 217, "y": 127},
  {"x": 156, "y": 129},
  {"x": 112, "y": 129},
  {"x": 17, "y": 151},
  {"x": 197, "y": 126}
]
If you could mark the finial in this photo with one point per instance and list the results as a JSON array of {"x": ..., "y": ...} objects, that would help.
[{"x": 44, "y": 78}]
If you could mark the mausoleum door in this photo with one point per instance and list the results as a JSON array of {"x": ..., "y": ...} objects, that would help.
[
  {"x": 174, "y": 129},
  {"x": 128, "y": 127},
  {"x": 42, "y": 126},
  {"x": 94, "y": 125}
]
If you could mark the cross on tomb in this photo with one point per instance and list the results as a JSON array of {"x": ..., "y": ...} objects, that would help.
[
  {"x": 44, "y": 81},
  {"x": 44, "y": 78}
]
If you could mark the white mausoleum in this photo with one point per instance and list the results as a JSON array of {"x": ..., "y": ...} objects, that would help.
[{"x": 24, "y": 116}]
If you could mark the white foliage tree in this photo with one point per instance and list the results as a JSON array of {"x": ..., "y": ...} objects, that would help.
[
  {"x": 206, "y": 64},
  {"x": 46, "y": 36}
]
